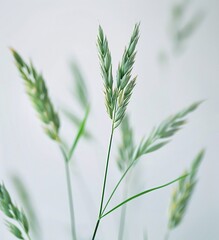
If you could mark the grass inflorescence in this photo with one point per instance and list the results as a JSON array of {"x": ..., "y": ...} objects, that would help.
[
  {"x": 38, "y": 93},
  {"x": 183, "y": 193},
  {"x": 17, "y": 224},
  {"x": 117, "y": 95},
  {"x": 162, "y": 134}
]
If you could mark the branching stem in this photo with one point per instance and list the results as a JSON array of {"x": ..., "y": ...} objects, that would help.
[
  {"x": 104, "y": 181},
  {"x": 117, "y": 185}
]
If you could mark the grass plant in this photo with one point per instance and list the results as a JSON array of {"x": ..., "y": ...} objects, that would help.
[
  {"x": 117, "y": 91},
  {"x": 38, "y": 93}
]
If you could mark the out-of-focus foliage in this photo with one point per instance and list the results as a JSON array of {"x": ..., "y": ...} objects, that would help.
[
  {"x": 80, "y": 93},
  {"x": 183, "y": 193},
  {"x": 181, "y": 27},
  {"x": 27, "y": 203},
  {"x": 127, "y": 146}
]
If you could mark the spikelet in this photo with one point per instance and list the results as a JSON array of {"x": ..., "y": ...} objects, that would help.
[
  {"x": 38, "y": 93},
  {"x": 106, "y": 71},
  {"x": 183, "y": 193},
  {"x": 162, "y": 134}
]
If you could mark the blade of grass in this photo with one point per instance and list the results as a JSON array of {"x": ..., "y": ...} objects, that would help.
[
  {"x": 80, "y": 88},
  {"x": 73, "y": 118},
  {"x": 79, "y": 134}
]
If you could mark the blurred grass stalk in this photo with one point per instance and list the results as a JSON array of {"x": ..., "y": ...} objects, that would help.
[
  {"x": 180, "y": 29},
  {"x": 125, "y": 155},
  {"x": 38, "y": 94},
  {"x": 80, "y": 93}
]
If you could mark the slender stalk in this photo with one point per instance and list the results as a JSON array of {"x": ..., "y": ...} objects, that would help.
[
  {"x": 71, "y": 205},
  {"x": 69, "y": 189},
  {"x": 123, "y": 213},
  {"x": 104, "y": 181},
  {"x": 167, "y": 235},
  {"x": 95, "y": 230},
  {"x": 106, "y": 170}
]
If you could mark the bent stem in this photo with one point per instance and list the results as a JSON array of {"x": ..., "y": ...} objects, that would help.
[{"x": 104, "y": 182}]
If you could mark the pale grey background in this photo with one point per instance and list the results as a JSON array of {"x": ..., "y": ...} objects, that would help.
[{"x": 51, "y": 33}]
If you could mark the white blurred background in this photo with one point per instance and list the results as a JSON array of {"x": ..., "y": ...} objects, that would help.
[{"x": 52, "y": 33}]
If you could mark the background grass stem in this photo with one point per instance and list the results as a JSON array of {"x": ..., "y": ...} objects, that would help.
[
  {"x": 123, "y": 213},
  {"x": 167, "y": 235},
  {"x": 71, "y": 203}
]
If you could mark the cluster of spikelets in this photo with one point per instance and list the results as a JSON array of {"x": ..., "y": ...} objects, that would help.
[
  {"x": 162, "y": 134},
  {"x": 38, "y": 93},
  {"x": 183, "y": 192},
  {"x": 129, "y": 153},
  {"x": 18, "y": 223},
  {"x": 117, "y": 95}
]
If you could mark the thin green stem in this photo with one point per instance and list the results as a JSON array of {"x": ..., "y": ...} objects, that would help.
[
  {"x": 69, "y": 189},
  {"x": 106, "y": 171},
  {"x": 123, "y": 213},
  {"x": 71, "y": 205},
  {"x": 95, "y": 230},
  {"x": 104, "y": 181}
]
